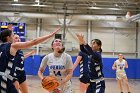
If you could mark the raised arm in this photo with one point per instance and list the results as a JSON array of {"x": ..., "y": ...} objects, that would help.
[
  {"x": 82, "y": 44},
  {"x": 24, "y": 45},
  {"x": 29, "y": 54},
  {"x": 78, "y": 59},
  {"x": 84, "y": 47}
]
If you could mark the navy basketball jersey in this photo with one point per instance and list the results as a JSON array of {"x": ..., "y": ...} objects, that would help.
[
  {"x": 19, "y": 63},
  {"x": 7, "y": 64},
  {"x": 96, "y": 66},
  {"x": 95, "y": 62},
  {"x": 7, "y": 69}
]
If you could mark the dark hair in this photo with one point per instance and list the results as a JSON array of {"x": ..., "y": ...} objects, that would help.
[
  {"x": 63, "y": 48},
  {"x": 124, "y": 58},
  {"x": 98, "y": 42},
  {"x": 4, "y": 34}
]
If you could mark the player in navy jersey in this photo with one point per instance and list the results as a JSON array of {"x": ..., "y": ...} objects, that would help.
[
  {"x": 82, "y": 60},
  {"x": 8, "y": 50},
  {"x": 20, "y": 82},
  {"x": 97, "y": 83}
]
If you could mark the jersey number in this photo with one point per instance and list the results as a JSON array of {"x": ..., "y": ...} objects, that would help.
[{"x": 57, "y": 73}]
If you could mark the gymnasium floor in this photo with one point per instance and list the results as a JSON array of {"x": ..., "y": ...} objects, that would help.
[{"x": 111, "y": 85}]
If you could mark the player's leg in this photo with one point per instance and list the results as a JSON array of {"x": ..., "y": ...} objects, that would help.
[
  {"x": 91, "y": 88},
  {"x": 101, "y": 87},
  {"x": 23, "y": 87},
  {"x": 23, "y": 83},
  {"x": 120, "y": 85},
  {"x": 83, "y": 87},
  {"x": 126, "y": 84},
  {"x": 12, "y": 88},
  {"x": 16, "y": 84}
]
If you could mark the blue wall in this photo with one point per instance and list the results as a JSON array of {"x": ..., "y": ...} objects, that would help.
[{"x": 32, "y": 64}]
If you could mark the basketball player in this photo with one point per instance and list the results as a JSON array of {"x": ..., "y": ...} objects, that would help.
[
  {"x": 82, "y": 60},
  {"x": 20, "y": 82},
  {"x": 119, "y": 65},
  {"x": 97, "y": 83},
  {"x": 60, "y": 65},
  {"x": 8, "y": 50}
]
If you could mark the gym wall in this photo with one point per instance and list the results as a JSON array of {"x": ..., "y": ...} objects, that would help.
[{"x": 32, "y": 64}]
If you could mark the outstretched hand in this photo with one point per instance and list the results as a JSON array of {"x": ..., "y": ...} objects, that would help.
[
  {"x": 53, "y": 33},
  {"x": 33, "y": 52},
  {"x": 80, "y": 38}
]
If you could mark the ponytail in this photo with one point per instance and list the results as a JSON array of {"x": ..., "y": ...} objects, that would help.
[{"x": 100, "y": 50}]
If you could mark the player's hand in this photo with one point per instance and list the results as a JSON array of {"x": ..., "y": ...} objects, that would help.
[
  {"x": 80, "y": 38},
  {"x": 63, "y": 81},
  {"x": 57, "y": 91},
  {"x": 114, "y": 68},
  {"x": 33, "y": 52},
  {"x": 53, "y": 33}
]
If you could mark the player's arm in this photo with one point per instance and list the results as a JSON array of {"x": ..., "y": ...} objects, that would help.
[
  {"x": 84, "y": 47},
  {"x": 24, "y": 45},
  {"x": 126, "y": 65},
  {"x": 29, "y": 54},
  {"x": 69, "y": 72},
  {"x": 78, "y": 59},
  {"x": 114, "y": 66},
  {"x": 42, "y": 67},
  {"x": 40, "y": 73},
  {"x": 82, "y": 43},
  {"x": 68, "y": 77}
]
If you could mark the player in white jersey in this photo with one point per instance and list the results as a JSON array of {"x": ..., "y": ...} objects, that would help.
[
  {"x": 60, "y": 65},
  {"x": 120, "y": 65}
]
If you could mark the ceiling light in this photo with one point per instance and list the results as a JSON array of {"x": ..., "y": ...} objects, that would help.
[
  {"x": 95, "y": 8},
  {"x": 114, "y": 8},
  {"x": 116, "y": 5},
  {"x": 17, "y": 4},
  {"x": 15, "y": 0},
  {"x": 37, "y": 1}
]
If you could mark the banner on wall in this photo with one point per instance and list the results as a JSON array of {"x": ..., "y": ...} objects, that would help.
[{"x": 18, "y": 28}]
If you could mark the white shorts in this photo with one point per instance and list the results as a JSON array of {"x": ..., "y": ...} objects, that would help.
[
  {"x": 67, "y": 88},
  {"x": 120, "y": 76}
]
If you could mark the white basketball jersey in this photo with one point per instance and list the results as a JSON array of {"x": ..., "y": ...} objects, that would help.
[
  {"x": 57, "y": 65},
  {"x": 120, "y": 66}
]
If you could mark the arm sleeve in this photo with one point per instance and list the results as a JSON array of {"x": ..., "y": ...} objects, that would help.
[
  {"x": 82, "y": 48},
  {"x": 88, "y": 50},
  {"x": 69, "y": 63},
  {"x": 44, "y": 62},
  {"x": 80, "y": 53}
]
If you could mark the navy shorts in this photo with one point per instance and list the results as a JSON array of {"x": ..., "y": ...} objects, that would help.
[
  {"x": 84, "y": 79},
  {"x": 96, "y": 87},
  {"x": 21, "y": 77}
]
